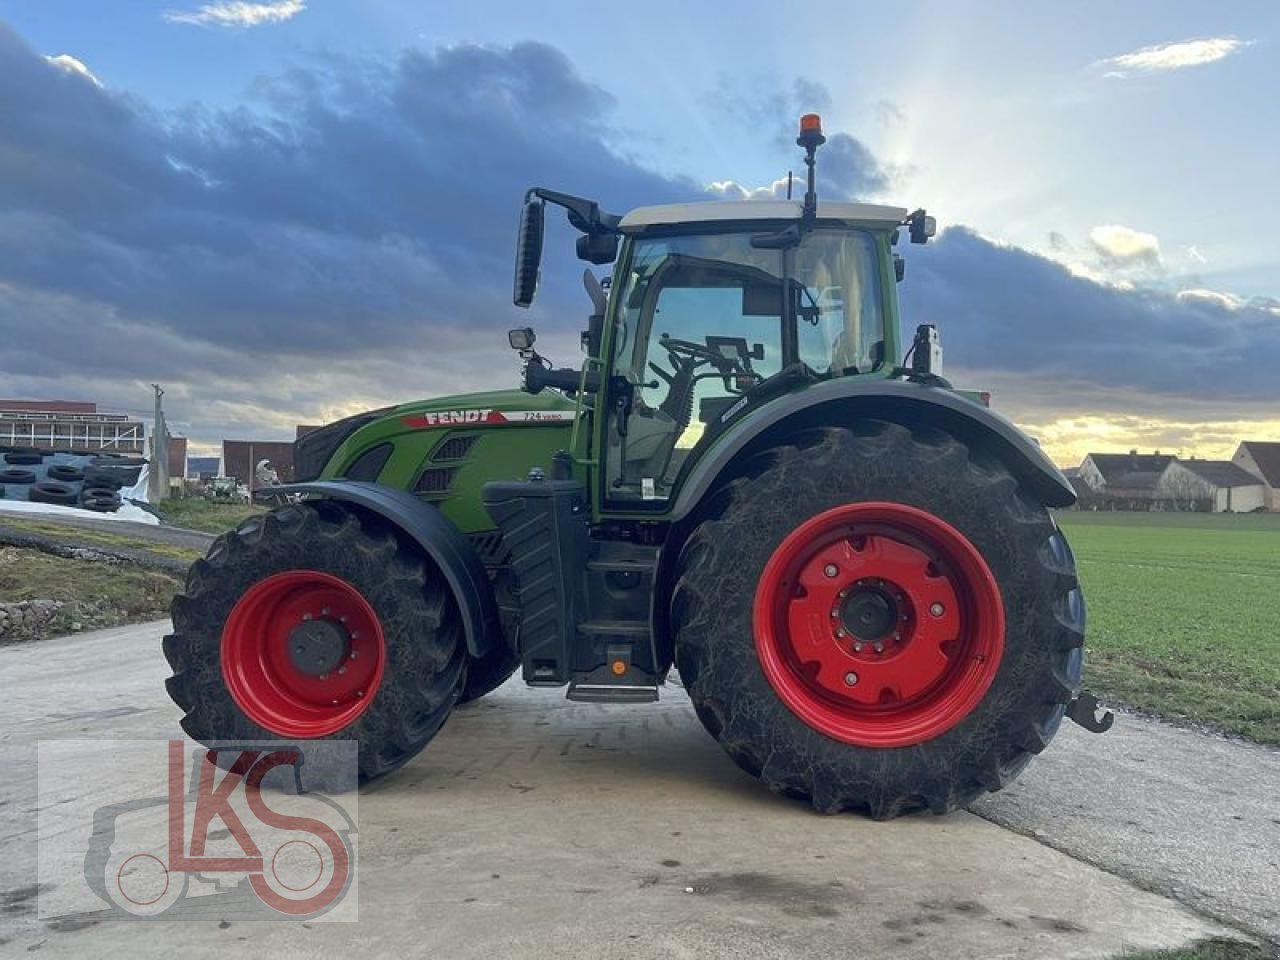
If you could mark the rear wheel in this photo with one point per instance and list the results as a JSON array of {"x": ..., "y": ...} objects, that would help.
[
  {"x": 878, "y": 620},
  {"x": 305, "y": 624}
]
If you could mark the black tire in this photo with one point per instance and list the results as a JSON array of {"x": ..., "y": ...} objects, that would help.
[
  {"x": 65, "y": 473},
  {"x": 100, "y": 500},
  {"x": 722, "y": 561},
  {"x": 425, "y": 654},
  {"x": 102, "y": 477},
  {"x": 17, "y": 475},
  {"x": 52, "y": 491},
  {"x": 489, "y": 673},
  {"x": 24, "y": 458}
]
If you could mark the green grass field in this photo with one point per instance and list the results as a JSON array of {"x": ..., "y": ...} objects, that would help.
[
  {"x": 1184, "y": 615},
  {"x": 208, "y": 516}
]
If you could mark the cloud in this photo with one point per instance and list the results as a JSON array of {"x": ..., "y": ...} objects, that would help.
[
  {"x": 1123, "y": 246},
  {"x": 344, "y": 236},
  {"x": 1065, "y": 341},
  {"x": 1174, "y": 56},
  {"x": 344, "y": 240},
  {"x": 846, "y": 170},
  {"x": 68, "y": 63},
  {"x": 237, "y": 13}
]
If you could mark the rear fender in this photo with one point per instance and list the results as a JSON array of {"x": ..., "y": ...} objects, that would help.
[
  {"x": 846, "y": 400},
  {"x": 446, "y": 546}
]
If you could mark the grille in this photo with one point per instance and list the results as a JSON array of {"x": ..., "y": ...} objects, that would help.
[
  {"x": 435, "y": 480},
  {"x": 454, "y": 448}
]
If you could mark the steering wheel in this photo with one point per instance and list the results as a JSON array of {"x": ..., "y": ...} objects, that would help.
[{"x": 686, "y": 359}]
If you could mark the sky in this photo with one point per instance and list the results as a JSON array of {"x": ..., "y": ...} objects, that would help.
[{"x": 288, "y": 211}]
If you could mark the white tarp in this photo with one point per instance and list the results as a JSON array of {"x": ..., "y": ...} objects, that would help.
[{"x": 128, "y": 511}]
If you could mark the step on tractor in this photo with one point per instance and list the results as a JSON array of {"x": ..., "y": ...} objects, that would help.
[{"x": 852, "y": 566}]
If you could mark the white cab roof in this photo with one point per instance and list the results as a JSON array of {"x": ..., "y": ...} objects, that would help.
[{"x": 672, "y": 213}]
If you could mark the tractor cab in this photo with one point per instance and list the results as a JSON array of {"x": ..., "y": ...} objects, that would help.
[{"x": 715, "y": 308}]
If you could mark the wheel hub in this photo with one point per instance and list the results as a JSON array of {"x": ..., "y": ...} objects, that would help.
[
  {"x": 317, "y": 647},
  {"x": 869, "y": 612},
  {"x": 878, "y": 624}
]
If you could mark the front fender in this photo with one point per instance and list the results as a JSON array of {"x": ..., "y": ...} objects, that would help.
[
  {"x": 845, "y": 400},
  {"x": 439, "y": 539}
]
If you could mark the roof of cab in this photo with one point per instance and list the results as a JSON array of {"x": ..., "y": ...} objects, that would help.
[{"x": 730, "y": 210}]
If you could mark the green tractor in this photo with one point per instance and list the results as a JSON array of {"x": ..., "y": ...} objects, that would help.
[{"x": 852, "y": 565}]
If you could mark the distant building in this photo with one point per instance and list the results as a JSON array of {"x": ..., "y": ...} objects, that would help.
[
  {"x": 177, "y": 457},
  {"x": 1262, "y": 459},
  {"x": 68, "y": 425},
  {"x": 1156, "y": 481},
  {"x": 1226, "y": 486},
  {"x": 1128, "y": 481},
  {"x": 203, "y": 468},
  {"x": 239, "y": 457}
]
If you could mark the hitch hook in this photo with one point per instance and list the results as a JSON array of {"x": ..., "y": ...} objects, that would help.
[{"x": 1083, "y": 710}]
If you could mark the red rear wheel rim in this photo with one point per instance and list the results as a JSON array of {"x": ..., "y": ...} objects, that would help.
[
  {"x": 303, "y": 653},
  {"x": 878, "y": 624}
]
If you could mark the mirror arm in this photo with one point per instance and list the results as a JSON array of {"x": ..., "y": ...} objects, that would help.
[{"x": 583, "y": 213}]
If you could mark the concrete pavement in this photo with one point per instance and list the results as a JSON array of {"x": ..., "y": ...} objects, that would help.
[
  {"x": 534, "y": 826},
  {"x": 1184, "y": 813}
]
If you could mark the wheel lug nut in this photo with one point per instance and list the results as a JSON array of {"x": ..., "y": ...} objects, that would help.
[
  {"x": 830, "y": 569},
  {"x": 850, "y": 679},
  {"x": 342, "y": 670},
  {"x": 324, "y": 612},
  {"x": 840, "y": 632},
  {"x": 937, "y": 609},
  {"x": 878, "y": 648},
  {"x": 857, "y": 647},
  {"x": 835, "y": 614},
  {"x": 324, "y": 676},
  {"x": 306, "y": 616}
]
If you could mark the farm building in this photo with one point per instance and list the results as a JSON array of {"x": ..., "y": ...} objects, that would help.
[
  {"x": 1262, "y": 459},
  {"x": 239, "y": 457},
  {"x": 1156, "y": 481},
  {"x": 1126, "y": 481},
  {"x": 1225, "y": 485},
  {"x": 177, "y": 457},
  {"x": 68, "y": 425}
]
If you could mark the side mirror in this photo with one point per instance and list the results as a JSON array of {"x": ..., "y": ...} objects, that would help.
[
  {"x": 528, "y": 252},
  {"x": 521, "y": 338}
]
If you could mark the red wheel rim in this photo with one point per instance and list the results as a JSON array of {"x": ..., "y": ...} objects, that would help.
[
  {"x": 302, "y": 653},
  {"x": 878, "y": 624}
]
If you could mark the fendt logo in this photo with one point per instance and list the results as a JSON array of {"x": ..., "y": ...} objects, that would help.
[
  {"x": 232, "y": 833},
  {"x": 452, "y": 418},
  {"x": 443, "y": 418}
]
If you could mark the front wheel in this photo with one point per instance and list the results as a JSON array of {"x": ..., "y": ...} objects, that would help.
[
  {"x": 878, "y": 619},
  {"x": 305, "y": 624}
]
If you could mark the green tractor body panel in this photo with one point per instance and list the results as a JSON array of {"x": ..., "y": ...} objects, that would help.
[{"x": 445, "y": 449}]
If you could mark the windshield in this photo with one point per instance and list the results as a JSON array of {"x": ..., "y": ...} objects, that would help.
[
  {"x": 718, "y": 284},
  {"x": 701, "y": 319}
]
